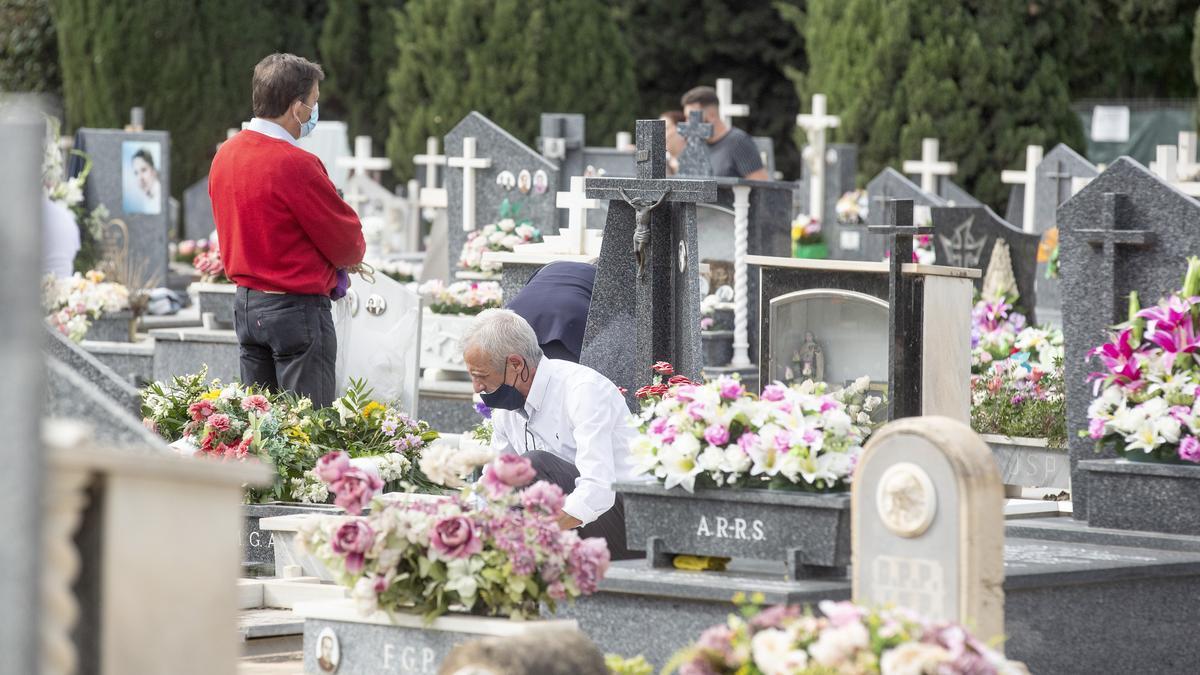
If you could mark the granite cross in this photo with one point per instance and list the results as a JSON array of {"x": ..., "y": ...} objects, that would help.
[
  {"x": 726, "y": 108},
  {"x": 1028, "y": 178},
  {"x": 469, "y": 163},
  {"x": 1059, "y": 177},
  {"x": 899, "y": 229},
  {"x": 815, "y": 125},
  {"x": 928, "y": 167},
  {"x": 431, "y": 160},
  {"x": 694, "y": 160},
  {"x": 666, "y": 298},
  {"x": 577, "y": 205},
  {"x": 1108, "y": 238}
]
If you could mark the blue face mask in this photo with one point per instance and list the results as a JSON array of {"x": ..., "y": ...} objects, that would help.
[
  {"x": 505, "y": 397},
  {"x": 306, "y": 128}
]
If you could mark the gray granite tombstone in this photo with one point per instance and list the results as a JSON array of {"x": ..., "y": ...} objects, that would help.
[
  {"x": 131, "y": 176},
  {"x": 1014, "y": 210},
  {"x": 198, "y": 220},
  {"x": 694, "y": 160},
  {"x": 853, "y": 243},
  {"x": 653, "y": 295},
  {"x": 562, "y": 141},
  {"x": 955, "y": 194},
  {"x": 1054, "y": 176},
  {"x": 840, "y": 176},
  {"x": 505, "y": 153},
  {"x": 77, "y": 359},
  {"x": 766, "y": 150},
  {"x": 71, "y": 396},
  {"x": 964, "y": 236},
  {"x": 1125, "y": 231},
  {"x": 21, "y": 484}
]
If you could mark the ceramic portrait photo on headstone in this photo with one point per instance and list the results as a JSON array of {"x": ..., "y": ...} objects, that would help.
[{"x": 141, "y": 189}]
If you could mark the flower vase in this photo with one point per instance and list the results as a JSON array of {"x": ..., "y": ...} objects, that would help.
[{"x": 815, "y": 251}]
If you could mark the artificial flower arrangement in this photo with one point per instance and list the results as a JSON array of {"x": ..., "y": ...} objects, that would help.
[
  {"x": 807, "y": 241},
  {"x": 187, "y": 250},
  {"x": 236, "y": 423},
  {"x": 1146, "y": 406},
  {"x": 494, "y": 549},
  {"x": 503, "y": 235},
  {"x": 461, "y": 297},
  {"x": 73, "y": 303},
  {"x": 208, "y": 264},
  {"x": 852, "y": 208},
  {"x": 397, "y": 270},
  {"x": 846, "y": 638},
  {"x": 718, "y": 434}
]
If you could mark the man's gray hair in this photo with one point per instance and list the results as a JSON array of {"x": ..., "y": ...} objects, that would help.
[{"x": 500, "y": 332}]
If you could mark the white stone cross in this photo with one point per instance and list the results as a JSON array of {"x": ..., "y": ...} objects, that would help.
[
  {"x": 577, "y": 205},
  {"x": 431, "y": 160},
  {"x": 1188, "y": 167},
  {"x": 815, "y": 125},
  {"x": 928, "y": 167},
  {"x": 727, "y": 109},
  {"x": 1166, "y": 167},
  {"x": 624, "y": 140},
  {"x": 362, "y": 161},
  {"x": 469, "y": 163},
  {"x": 1028, "y": 178}
]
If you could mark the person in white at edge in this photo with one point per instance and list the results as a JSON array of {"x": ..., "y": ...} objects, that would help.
[{"x": 569, "y": 420}]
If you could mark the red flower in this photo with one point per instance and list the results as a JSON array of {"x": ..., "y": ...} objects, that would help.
[
  {"x": 663, "y": 368},
  {"x": 200, "y": 410},
  {"x": 679, "y": 379},
  {"x": 643, "y": 392}
]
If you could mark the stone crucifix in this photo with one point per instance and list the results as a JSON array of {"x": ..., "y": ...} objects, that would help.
[
  {"x": 929, "y": 167},
  {"x": 1027, "y": 178},
  {"x": 694, "y": 160},
  {"x": 641, "y": 233},
  {"x": 815, "y": 125},
  {"x": 726, "y": 108},
  {"x": 899, "y": 229},
  {"x": 1108, "y": 238},
  {"x": 431, "y": 160}
]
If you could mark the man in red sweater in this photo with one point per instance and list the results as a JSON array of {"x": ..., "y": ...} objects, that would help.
[{"x": 284, "y": 234}]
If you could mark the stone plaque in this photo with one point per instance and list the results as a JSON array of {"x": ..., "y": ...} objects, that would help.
[{"x": 928, "y": 524}]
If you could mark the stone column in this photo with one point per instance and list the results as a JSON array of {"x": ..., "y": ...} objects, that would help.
[{"x": 741, "y": 229}]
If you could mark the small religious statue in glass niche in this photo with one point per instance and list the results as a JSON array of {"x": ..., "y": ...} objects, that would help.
[{"x": 808, "y": 363}]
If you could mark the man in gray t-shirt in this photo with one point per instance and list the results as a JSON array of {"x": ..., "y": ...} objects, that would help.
[{"x": 731, "y": 151}]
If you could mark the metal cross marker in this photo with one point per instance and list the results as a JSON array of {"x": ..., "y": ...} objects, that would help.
[
  {"x": 431, "y": 160},
  {"x": 469, "y": 163},
  {"x": 726, "y": 108},
  {"x": 694, "y": 160},
  {"x": 928, "y": 167},
  {"x": 899, "y": 229},
  {"x": 815, "y": 125},
  {"x": 1028, "y": 178},
  {"x": 1108, "y": 238},
  {"x": 577, "y": 205}
]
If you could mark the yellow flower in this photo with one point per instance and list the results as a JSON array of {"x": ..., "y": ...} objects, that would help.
[
  {"x": 298, "y": 434},
  {"x": 95, "y": 276},
  {"x": 370, "y": 408},
  {"x": 211, "y": 395}
]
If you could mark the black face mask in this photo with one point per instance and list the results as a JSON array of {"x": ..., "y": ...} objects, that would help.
[{"x": 506, "y": 396}]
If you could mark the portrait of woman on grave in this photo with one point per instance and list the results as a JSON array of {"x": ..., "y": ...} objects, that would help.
[{"x": 830, "y": 336}]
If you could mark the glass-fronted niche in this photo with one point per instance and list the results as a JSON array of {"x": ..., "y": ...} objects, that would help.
[{"x": 830, "y": 336}]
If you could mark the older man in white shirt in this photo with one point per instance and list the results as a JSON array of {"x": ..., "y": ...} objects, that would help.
[{"x": 568, "y": 419}]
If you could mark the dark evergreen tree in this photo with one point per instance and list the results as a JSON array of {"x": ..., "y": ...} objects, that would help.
[
  {"x": 358, "y": 48},
  {"x": 510, "y": 60},
  {"x": 1127, "y": 48},
  {"x": 28, "y": 48},
  {"x": 680, "y": 44},
  {"x": 978, "y": 76}
]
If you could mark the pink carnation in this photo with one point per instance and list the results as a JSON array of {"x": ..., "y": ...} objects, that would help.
[
  {"x": 544, "y": 497},
  {"x": 256, "y": 403},
  {"x": 332, "y": 465},
  {"x": 353, "y": 539},
  {"x": 1189, "y": 449},
  {"x": 588, "y": 563},
  {"x": 731, "y": 389},
  {"x": 201, "y": 410},
  {"x": 219, "y": 422},
  {"x": 1096, "y": 428},
  {"x": 355, "y": 489},
  {"x": 774, "y": 392},
  {"x": 716, "y": 434},
  {"x": 455, "y": 537},
  {"x": 513, "y": 470}
]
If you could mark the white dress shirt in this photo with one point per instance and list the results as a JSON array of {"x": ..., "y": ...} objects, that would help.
[
  {"x": 269, "y": 128},
  {"x": 578, "y": 415}
]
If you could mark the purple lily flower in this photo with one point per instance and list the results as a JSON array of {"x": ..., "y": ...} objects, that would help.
[
  {"x": 1120, "y": 358},
  {"x": 1172, "y": 312},
  {"x": 1178, "y": 339}
]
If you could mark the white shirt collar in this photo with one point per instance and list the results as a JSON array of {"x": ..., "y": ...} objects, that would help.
[
  {"x": 269, "y": 128},
  {"x": 537, "y": 390}
]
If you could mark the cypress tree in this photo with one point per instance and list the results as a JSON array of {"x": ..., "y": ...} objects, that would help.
[
  {"x": 978, "y": 76},
  {"x": 28, "y": 48},
  {"x": 358, "y": 48},
  {"x": 510, "y": 60}
]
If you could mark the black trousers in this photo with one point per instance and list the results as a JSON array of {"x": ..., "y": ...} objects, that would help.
[
  {"x": 287, "y": 343},
  {"x": 610, "y": 526}
]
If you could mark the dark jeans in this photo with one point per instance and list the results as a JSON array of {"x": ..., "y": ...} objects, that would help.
[
  {"x": 610, "y": 526},
  {"x": 287, "y": 343}
]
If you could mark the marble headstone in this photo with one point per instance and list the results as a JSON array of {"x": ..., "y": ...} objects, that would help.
[
  {"x": 1125, "y": 231},
  {"x": 198, "y": 220},
  {"x": 535, "y": 198},
  {"x": 120, "y": 182},
  {"x": 928, "y": 524},
  {"x": 380, "y": 340},
  {"x": 964, "y": 236},
  {"x": 657, "y": 305}
]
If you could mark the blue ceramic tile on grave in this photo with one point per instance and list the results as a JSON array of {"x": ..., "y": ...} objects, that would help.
[
  {"x": 966, "y": 236},
  {"x": 1125, "y": 231}
]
